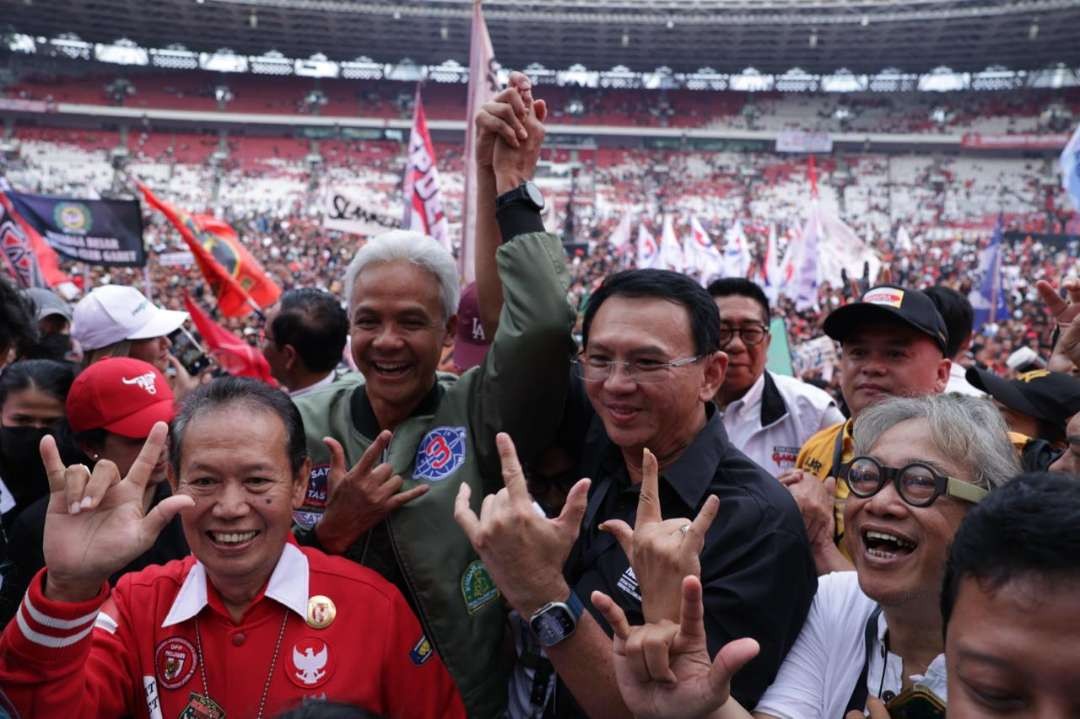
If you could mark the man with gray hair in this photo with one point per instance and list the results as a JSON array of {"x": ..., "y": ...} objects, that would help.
[{"x": 390, "y": 453}]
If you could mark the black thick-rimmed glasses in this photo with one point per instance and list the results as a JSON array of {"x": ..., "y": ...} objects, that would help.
[
  {"x": 917, "y": 484},
  {"x": 749, "y": 334}
]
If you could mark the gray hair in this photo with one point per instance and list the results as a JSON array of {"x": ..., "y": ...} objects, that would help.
[
  {"x": 414, "y": 247},
  {"x": 969, "y": 431}
]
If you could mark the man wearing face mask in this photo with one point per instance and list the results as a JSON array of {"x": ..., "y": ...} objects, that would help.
[{"x": 32, "y": 394}]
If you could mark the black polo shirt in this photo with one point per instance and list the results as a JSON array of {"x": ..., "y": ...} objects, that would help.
[{"x": 757, "y": 572}]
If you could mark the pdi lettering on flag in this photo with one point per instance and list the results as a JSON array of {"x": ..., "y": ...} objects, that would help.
[{"x": 423, "y": 203}]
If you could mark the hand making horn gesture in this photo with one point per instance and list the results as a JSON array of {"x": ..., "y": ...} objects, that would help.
[
  {"x": 661, "y": 551},
  {"x": 96, "y": 522},
  {"x": 663, "y": 668}
]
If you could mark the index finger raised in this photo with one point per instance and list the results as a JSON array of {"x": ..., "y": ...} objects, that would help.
[
  {"x": 371, "y": 455},
  {"x": 513, "y": 476},
  {"x": 143, "y": 466},
  {"x": 1050, "y": 297},
  {"x": 54, "y": 466},
  {"x": 648, "y": 511}
]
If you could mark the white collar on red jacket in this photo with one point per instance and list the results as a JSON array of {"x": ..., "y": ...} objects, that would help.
[{"x": 288, "y": 586}]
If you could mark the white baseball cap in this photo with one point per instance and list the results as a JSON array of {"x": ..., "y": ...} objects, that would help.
[{"x": 114, "y": 313}]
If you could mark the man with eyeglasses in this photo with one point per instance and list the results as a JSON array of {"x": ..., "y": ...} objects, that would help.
[
  {"x": 645, "y": 379},
  {"x": 893, "y": 343},
  {"x": 767, "y": 416}
]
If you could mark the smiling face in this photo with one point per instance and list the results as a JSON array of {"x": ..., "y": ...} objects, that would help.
[
  {"x": 889, "y": 359},
  {"x": 745, "y": 362},
  {"x": 398, "y": 332},
  {"x": 665, "y": 415},
  {"x": 153, "y": 351},
  {"x": 243, "y": 490},
  {"x": 1028, "y": 665},
  {"x": 899, "y": 550}
]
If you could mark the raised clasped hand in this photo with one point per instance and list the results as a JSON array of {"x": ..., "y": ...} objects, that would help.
[
  {"x": 522, "y": 550},
  {"x": 661, "y": 551},
  {"x": 96, "y": 522}
]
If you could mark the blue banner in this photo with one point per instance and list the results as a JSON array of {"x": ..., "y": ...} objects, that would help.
[
  {"x": 988, "y": 300},
  {"x": 98, "y": 232}
]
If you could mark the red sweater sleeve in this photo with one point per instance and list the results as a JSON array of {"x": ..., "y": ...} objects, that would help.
[
  {"x": 62, "y": 659},
  {"x": 415, "y": 682}
]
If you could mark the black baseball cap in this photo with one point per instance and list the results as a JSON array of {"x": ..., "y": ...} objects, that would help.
[
  {"x": 889, "y": 303},
  {"x": 1052, "y": 397}
]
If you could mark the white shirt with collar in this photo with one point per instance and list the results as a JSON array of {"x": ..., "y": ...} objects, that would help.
[
  {"x": 775, "y": 417},
  {"x": 288, "y": 586}
]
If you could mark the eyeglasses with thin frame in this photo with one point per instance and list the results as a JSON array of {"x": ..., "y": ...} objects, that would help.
[
  {"x": 917, "y": 483},
  {"x": 596, "y": 368},
  {"x": 749, "y": 334}
]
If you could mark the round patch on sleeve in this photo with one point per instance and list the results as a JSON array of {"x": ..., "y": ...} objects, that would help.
[
  {"x": 441, "y": 452},
  {"x": 175, "y": 661}
]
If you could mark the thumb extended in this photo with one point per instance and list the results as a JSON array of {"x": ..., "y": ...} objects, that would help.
[
  {"x": 732, "y": 657},
  {"x": 574, "y": 509},
  {"x": 163, "y": 512}
]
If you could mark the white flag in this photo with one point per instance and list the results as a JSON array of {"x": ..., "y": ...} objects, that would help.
[
  {"x": 736, "y": 252},
  {"x": 483, "y": 84},
  {"x": 423, "y": 203},
  {"x": 770, "y": 267},
  {"x": 903, "y": 240},
  {"x": 701, "y": 254},
  {"x": 786, "y": 274},
  {"x": 806, "y": 280},
  {"x": 620, "y": 236},
  {"x": 841, "y": 249},
  {"x": 648, "y": 253},
  {"x": 671, "y": 254}
]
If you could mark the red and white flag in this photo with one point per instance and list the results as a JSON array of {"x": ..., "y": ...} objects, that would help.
[
  {"x": 423, "y": 204},
  {"x": 483, "y": 84},
  {"x": 25, "y": 255},
  {"x": 671, "y": 254},
  {"x": 648, "y": 252}
]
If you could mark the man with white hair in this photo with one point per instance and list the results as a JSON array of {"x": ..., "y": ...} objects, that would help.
[{"x": 390, "y": 453}]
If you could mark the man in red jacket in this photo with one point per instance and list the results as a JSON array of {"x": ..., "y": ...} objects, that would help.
[{"x": 249, "y": 626}]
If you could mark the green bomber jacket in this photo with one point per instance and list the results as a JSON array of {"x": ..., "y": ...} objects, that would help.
[{"x": 520, "y": 388}]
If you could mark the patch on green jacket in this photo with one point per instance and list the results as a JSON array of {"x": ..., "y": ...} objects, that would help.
[{"x": 477, "y": 587}]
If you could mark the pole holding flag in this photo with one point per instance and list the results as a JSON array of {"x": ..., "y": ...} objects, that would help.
[{"x": 483, "y": 84}]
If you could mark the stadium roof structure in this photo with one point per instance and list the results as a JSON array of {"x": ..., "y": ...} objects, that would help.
[{"x": 723, "y": 36}]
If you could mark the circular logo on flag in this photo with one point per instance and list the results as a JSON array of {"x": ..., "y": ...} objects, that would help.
[
  {"x": 175, "y": 661},
  {"x": 73, "y": 217},
  {"x": 441, "y": 452}
]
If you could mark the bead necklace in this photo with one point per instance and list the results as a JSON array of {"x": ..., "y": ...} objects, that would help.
[{"x": 205, "y": 698}]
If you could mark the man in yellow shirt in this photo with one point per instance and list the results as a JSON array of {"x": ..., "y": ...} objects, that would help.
[{"x": 893, "y": 343}]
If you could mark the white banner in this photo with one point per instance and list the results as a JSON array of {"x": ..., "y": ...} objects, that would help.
[
  {"x": 353, "y": 210},
  {"x": 176, "y": 259},
  {"x": 800, "y": 141}
]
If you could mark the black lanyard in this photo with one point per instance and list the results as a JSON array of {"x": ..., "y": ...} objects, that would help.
[{"x": 860, "y": 693}]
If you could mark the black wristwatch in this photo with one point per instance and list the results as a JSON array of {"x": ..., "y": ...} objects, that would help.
[
  {"x": 526, "y": 193},
  {"x": 555, "y": 621}
]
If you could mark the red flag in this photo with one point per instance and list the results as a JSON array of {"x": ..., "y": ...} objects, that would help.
[
  {"x": 423, "y": 203},
  {"x": 234, "y": 355},
  {"x": 26, "y": 255},
  {"x": 235, "y": 277},
  {"x": 483, "y": 84}
]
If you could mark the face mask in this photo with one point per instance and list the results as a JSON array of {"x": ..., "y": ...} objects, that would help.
[{"x": 22, "y": 471}]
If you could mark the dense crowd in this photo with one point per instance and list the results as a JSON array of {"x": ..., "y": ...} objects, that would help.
[{"x": 572, "y": 488}]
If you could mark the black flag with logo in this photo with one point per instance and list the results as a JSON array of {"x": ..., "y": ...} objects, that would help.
[{"x": 98, "y": 232}]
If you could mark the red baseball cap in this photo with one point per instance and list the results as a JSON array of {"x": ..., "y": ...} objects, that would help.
[
  {"x": 470, "y": 344},
  {"x": 120, "y": 395}
]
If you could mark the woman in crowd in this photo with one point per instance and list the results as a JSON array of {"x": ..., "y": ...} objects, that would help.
[
  {"x": 920, "y": 465},
  {"x": 111, "y": 408},
  {"x": 250, "y": 625},
  {"x": 118, "y": 321},
  {"x": 32, "y": 394}
]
